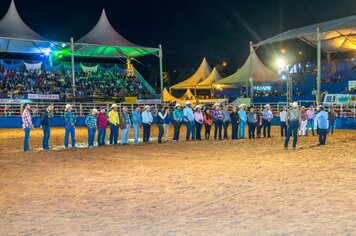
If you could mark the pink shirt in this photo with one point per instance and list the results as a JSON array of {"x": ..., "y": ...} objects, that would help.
[
  {"x": 311, "y": 114},
  {"x": 198, "y": 117},
  {"x": 26, "y": 119}
]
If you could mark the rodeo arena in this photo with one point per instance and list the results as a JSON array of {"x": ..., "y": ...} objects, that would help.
[{"x": 90, "y": 148}]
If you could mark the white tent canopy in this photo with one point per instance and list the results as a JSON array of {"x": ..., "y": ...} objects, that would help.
[
  {"x": 17, "y": 37},
  {"x": 188, "y": 95},
  {"x": 208, "y": 82},
  {"x": 200, "y": 75},
  {"x": 337, "y": 35}
]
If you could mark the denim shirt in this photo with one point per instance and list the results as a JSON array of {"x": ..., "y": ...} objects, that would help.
[
  {"x": 226, "y": 116},
  {"x": 136, "y": 117},
  {"x": 69, "y": 118},
  {"x": 177, "y": 115}
]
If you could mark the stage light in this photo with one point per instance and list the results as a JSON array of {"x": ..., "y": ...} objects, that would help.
[
  {"x": 224, "y": 64},
  {"x": 300, "y": 52},
  {"x": 283, "y": 50},
  {"x": 64, "y": 45},
  {"x": 281, "y": 63},
  {"x": 60, "y": 56},
  {"x": 47, "y": 52}
]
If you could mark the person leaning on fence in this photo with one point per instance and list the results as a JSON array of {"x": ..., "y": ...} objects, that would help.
[
  {"x": 114, "y": 124},
  {"x": 235, "y": 120},
  {"x": 189, "y": 121},
  {"x": 332, "y": 117},
  {"x": 217, "y": 120},
  {"x": 292, "y": 120},
  {"x": 27, "y": 125},
  {"x": 161, "y": 115},
  {"x": 147, "y": 120},
  {"x": 46, "y": 127},
  {"x": 91, "y": 123},
  {"x": 177, "y": 121},
  {"x": 125, "y": 124},
  {"x": 323, "y": 123},
  {"x": 243, "y": 120},
  {"x": 102, "y": 123},
  {"x": 136, "y": 122},
  {"x": 199, "y": 120},
  {"x": 70, "y": 120},
  {"x": 267, "y": 119},
  {"x": 208, "y": 121},
  {"x": 282, "y": 117}
]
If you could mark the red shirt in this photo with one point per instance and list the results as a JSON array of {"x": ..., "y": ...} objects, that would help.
[{"x": 102, "y": 121}]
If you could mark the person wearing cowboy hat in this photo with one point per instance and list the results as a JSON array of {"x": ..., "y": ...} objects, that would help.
[
  {"x": 114, "y": 122},
  {"x": 322, "y": 121},
  {"x": 332, "y": 117},
  {"x": 226, "y": 120},
  {"x": 235, "y": 120},
  {"x": 125, "y": 124},
  {"x": 102, "y": 123},
  {"x": 27, "y": 125},
  {"x": 70, "y": 120},
  {"x": 292, "y": 121},
  {"x": 91, "y": 123},
  {"x": 177, "y": 121},
  {"x": 161, "y": 116},
  {"x": 189, "y": 121},
  {"x": 199, "y": 120},
  {"x": 267, "y": 118},
  {"x": 136, "y": 122},
  {"x": 217, "y": 120},
  {"x": 46, "y": 127},
  {"x": 311, "y": 115},
  {"x": 147, "y": 120},
  {"x": 303, "y": 121},
  {"x": 243, "y": 120}
]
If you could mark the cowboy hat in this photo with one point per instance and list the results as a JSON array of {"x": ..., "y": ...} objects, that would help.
[
  {"x": 177, "y": 105},
  {"x": 68, "y": 106},
  {"x": 114, "y": 105},
  {"x": 198, "y": 106},
  {"x": 216, "y": 104},
  {"x": 95, "y": 111},
  {"x": 294, "y": 104},
  {"x": 267, "y": 105},
  {"x": 146, "y": 107},
  {"x": 188, "y": 103},
  {"x": 242, "y": 105}
]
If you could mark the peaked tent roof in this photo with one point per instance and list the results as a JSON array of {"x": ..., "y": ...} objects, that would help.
[
  {"x": 104, "y": 41},
  {"x": 17, "y": 37},
  {"x": 188, "y": 95},
  {"x": 200, "y": 75},
  {"x": 253, "y": 68},
  {"x": 337, "y": 35},
  {"x": 167, "y": 97},
  {"x": 208, "y": 82}
]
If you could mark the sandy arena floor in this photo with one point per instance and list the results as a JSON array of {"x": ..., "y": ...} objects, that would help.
[{"x": 244, "y": 187}]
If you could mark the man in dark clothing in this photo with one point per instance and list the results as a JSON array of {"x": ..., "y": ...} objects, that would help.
[{"x": 46, "y": 126}]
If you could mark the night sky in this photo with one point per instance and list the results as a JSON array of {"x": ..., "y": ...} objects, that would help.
[{"x": 188, "y": 30}]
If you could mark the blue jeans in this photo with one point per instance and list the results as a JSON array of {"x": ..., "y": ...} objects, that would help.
[
  {"x": 27, "y": 139},
  {"x": 146, "y": 132},
  {"x": 125, "y": 134},
  {"x": 46, "y": 135},
  {"x": 176, "y": 125},
  {"x": 101, "y": 136},
  {"x": 283, "y": 128},
  {"x": 91, "y": 136},
  {"x": 136, "y": 128},
  {"x": 266, "y": 127},
  {"x": 331, "y": 127},
  {"x": 160, "y": 132},
  {"x": 310, "y": 124},
  {"x": 292, "y": 128},
  {"x": 226, "y": 127},
  {"x": 234, "y": 130},
  {"x": 217, "y": 129},
  {"x": 322, "y": 136},
  {"x": 190, "y": 130},
  {"x": 114, "y": 133},
  {"x": 242, "y": 129},
  {"x": 251, "y": 129},
  {"x": 69, "y": 129}
]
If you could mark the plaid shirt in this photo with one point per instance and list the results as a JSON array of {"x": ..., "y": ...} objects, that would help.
[
  {"x": 26, "y": 119},
  {"x": 90, "y": 121}
]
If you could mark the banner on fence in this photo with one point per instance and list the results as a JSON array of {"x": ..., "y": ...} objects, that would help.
[
  {"x": 340, "y": 98},
  {"x": 43, "y": 96},
  {"x": 130, "y": 100},
  {"x": 14, "y": 101},
  {"x": 149, "y": 101},
  {"x": 352, "y": 84}
]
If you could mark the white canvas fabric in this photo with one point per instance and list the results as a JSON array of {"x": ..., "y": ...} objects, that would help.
[{"x": 208, "y": 82}]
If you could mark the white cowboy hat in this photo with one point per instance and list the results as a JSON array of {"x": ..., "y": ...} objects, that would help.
[
  {"x": 114, "y": 105},
  {"x": 216, "y": 104},
  {"x": 198, "y": 106},
  {"x": 177, "y": 105},
  {"x": 267, "y": 105},
  {"x": 187, "y": 103},
  {"x": 294, "y": 104},
  {"x": 303, "y": 107},
  {"x": 242, "y": 105},
  {"x": 68, "y": 106},
  {"x": 95, "y": 111},
  {"x": 146, "y": 107}
]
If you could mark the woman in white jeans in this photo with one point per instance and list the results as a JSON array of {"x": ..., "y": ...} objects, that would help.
[
  {"x": 304, "y": 121},
  {"x": 166, "y": 124}
]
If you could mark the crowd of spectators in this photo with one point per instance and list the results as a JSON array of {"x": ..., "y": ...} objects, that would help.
[{"x": 18, "y": 83}]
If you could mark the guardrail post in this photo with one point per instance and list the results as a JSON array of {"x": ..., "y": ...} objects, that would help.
[
  {"x": 80, "y": 109},
  {"x": 5, "y": 110}
]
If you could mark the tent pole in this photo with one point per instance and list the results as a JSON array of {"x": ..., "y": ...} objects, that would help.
[
  {"x": 318, "y": 64},
  {"x": 161, "y": 70},
  {"x": 251, "y": 79},
  {"x": 72, "y": 59}
]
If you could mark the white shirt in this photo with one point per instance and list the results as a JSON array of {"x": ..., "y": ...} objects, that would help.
[
  {"x": 147, "y": 117},
  {"x": 283, "y": 116}
]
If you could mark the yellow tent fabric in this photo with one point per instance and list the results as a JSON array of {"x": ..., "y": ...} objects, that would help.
[
  {"x": 167, "y": 97},
  {"x": 208, "y": 82},
  {"x": 200, "y": 75},
  {"x": 188, "y": 95}
]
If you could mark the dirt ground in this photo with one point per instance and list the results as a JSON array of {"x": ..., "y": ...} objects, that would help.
[{"x": 243, "y": 187}]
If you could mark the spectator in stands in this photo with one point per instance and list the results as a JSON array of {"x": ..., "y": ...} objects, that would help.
[
  {"x": 125, "y": 124},
  {"x": 161, "y": 115},
  {"x": 251, "y": 121},
  {"x": 217, "y": 120},
  {"x": 292, "y": 120},
  {"x": 189, "y": 121},
  {"x": 102, "y": 124},
  {"x": 27, "y": 125},
  {"x": 177, "y": 121},
  {"x": 147, "y": 120},
  {"x": 243, "y": 120},
  {"x": 303, "y": 121},
  {"x": 332, "y": 117},
  {"x": 114, "y": 122},
  {"x": 167, "y": 123},
  {"x": 91, "y": 123},
  {"x": 282, "y": 117},
  {"x": 235, "y": 120},
  {"x": 226, "y": 119},
  {"x": 322, "y": 121},
  {"x": 311, "y": 115},
  {"x": 69, "y": 120},
  {"x": 198, "y": 120},
  {"x": 46, "y": 126},
  {"x": 136, "y": 122},
  {"x": 267, "y": 118}
]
